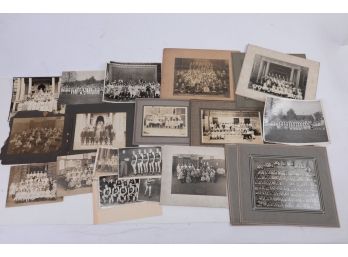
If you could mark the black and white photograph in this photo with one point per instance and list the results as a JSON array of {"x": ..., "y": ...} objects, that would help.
[
  {"x": 36, "y": 135},
  {"x": 195, "y": 174},
  {"x": 32, "y": 184},
  {"x": 114, "y": 191},
  {"x": 124, "y": 82},
  {"x": 225, "y": 126},
  {"x": 93, "y": 130},
  {"x": 140, "y": 161},
  {"x": 269, "y": 73},
  {"x": 201, "y": 77},
  {"x": 164, "y": 121},
  {"x": 74, "y": 174},
  {"x": 285, "y": 184},
  {"x": 294, "y": 121},
  {"x": 35, "y": 94},
  {"x": 81, "y": 87},
  {"x": 150, "y": 189},
  {"x": 107, "y": 161}
]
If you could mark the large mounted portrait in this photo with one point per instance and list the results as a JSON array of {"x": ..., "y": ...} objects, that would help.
[
  {"x": 278, "y": 184},
  {"x": 98, "y": 125},
  {"x": 197, "y": 74},
  {"x": 125, "y": 82},
  {"x": 161, "y": 122},
  {"x": 270, "y": 73},
  {"x": 34, "y": 137},
  {"x": 194, "y": 176}
]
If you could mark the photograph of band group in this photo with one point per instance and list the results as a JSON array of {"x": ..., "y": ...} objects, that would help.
[
  {"x": 140, "y": 161},
  {"x": 196, "y": 174},
  {"x": 165, "y": 121},
  {"x": 224, "y": 126},
  {"x": 126, "y": 82}
]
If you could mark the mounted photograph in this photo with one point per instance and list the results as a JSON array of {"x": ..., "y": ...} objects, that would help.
[
  {"x": 124, "y": 82},
  {"x": 294, "y": 122},
  {"x": 107, "y": 161},
  {"x": 269, "y": 73}
]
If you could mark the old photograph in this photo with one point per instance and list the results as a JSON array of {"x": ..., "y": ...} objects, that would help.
[
  {"x": 269, "y": 73},
  {"x": 140, "y": 161},
  {"x": 225, "y": 126},
  {"x": 164, "y": 121},
  {"x": 81, "y": 87},
  {"x": 31, "y": 184},
  {"x": 195, "y": 174},
  {"x": 107, "y": 161},
  {"x": 150, "y": 189},
  {"x": 193, "y": 76},
  {"x": 285, "y": 184},
  {"x": 35, "y": 94},
  {"x": 124, "y": 82},
  {"x": 74, "y": 174},
  {"x": 294, "y": 121},
  {"x": 36, "y": 135},
  {"x": 93, "y": 130},
  {"x": 114, "y": 191}
]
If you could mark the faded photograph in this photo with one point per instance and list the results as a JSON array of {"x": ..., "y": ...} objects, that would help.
[{"x": 107, "y": 161}]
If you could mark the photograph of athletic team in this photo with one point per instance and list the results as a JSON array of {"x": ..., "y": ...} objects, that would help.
[
  {"x": 93, "y": 130},
  {"x": 107, "y": 161},
  {"x": 74, "y": 173},
  {"x": 35, "y": 94},
  {"x": 224, "y": 126},
  {"x": 278, "y": 78},
  {"x": 140, "y": 161},
  {"x": 164, "y": 121},
  {"x": 32, "y": 184},
  {"x": 150, "y": 189},
  {"x": 201, "y": 77},
  {"x": 81, "y": 87},
  {"x": 125, "y": 82},
  {"x": 294, "y": 121},
  {"x": 37, "y": 135},
  {"x": 195, "y": 174}
]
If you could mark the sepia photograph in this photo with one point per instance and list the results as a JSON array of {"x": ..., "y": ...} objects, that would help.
[
  {"x": 294, "y": 121},
  {"x": 74, "y": 174},
  {"x": 164, "y": 121},
  {"x": 124, "y": 82},
  {"x": 150, "y": 189},
  {"x": 140, "y": 161},
  {"x": 93, "y": 130},
  {"x": 267, "y": 72},
  {"x": 285, "y": 184},
  {"x": 35, "y": 94},
  {"x": 81, "y": 87},
  {"x": 201, "y": 77},
  {"x": 114, "y": 191},
  {"x": 36, "y": 135},
  {"x": 197, "y": 74},
  {"x": 107, "y": 161},
  {"x": 32, "y": 184},
  {"x": 226, "y": 126}
]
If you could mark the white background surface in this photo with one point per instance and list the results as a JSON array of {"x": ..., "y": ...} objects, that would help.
[{"x": 45, "y": 45}]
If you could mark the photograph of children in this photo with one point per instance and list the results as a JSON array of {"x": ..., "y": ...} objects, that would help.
[
  {"x": 150, "y": 189},
  {"x": 195, "y": 174},
  {"x": 124, "y": 82},
  {"x": 35, "y": 94},
  {"x": 81, "y": 87},
  {"x": 164, "y": 121},
  {"x": 74, "y": 174},
  {"x": 225, "y": 126},
  {"x": 93, "y": 130},
  {"x": 294, "y": 121},
  {"x": 31, "y": 184},
  {"x": 113, "y": 191},
  {"x": 194, "y": 76},
  {"x": 140, "y": 161},
  {"x": 36, "y": 135},
  {"x": 107, "y": 161}
]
